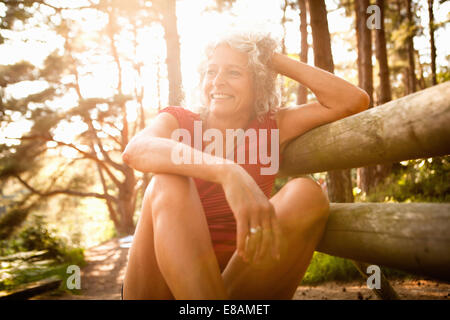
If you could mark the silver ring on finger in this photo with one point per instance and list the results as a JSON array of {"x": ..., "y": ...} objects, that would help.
[{"x": 255, "y": 230}]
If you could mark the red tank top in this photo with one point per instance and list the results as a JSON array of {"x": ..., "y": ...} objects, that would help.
[{"x": 220, "y": 219}]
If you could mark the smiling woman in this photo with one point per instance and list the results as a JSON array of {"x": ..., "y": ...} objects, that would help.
[
  {"x": 210, "y": 229},
  {"x": 249, "y": 72},
  {"x": 238, "y": 94}
]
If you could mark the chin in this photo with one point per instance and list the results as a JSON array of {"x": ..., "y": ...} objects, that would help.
[{"x": 221, "y": 111}]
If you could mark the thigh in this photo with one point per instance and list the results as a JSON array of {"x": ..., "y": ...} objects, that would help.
[
  {"x": 302, "y": 209},
  {"x": 143, "y": 278}
]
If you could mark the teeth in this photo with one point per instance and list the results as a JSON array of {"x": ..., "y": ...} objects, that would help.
[{"x": 220, "y": 96}]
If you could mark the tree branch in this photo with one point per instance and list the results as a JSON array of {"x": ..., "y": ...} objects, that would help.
[
  {"x": 64, "y": 191},
  {"x": 92, "y": 6},
  {"x": 87, "y": 155},
  {"x": 112, "y": 138},
  {"x": 102, "y": 150}
]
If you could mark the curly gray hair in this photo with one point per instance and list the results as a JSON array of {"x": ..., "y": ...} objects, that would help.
[{"x": 259, "y": 48}]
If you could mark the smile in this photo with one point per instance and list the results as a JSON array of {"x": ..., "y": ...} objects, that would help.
[{"x": 220, "y": 96}]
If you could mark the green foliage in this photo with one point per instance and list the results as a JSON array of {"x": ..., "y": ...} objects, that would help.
[
  {"x": 10, "y": 74},
  {"x": 34, "y": 254},
  {"x": 12, "y": 14},
  {"x": 444, "y": 75},
  {"x": 13, "y": 217},
  {"x": 22, "y": 158},
  {"x": 420, "y": 180},
  {"x": 279, "y": 183},
  {"x": 54, "y": 67},
  {"x": 37, "y": 237},
  {"x": 324, "y": 268}
]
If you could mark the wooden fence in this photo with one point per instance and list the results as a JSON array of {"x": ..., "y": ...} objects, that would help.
[{"x": 413, "y": 237}]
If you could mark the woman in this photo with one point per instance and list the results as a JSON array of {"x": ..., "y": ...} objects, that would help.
[{"x": 208, "y": 229}]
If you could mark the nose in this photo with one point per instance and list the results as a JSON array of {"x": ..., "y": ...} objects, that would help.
[{"x": 219, "y": 78}]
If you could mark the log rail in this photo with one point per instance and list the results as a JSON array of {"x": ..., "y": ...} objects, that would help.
[{"x": 413, "y": 237}]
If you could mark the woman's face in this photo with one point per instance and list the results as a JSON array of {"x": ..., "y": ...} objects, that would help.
[{"x": 227, "y": 84}]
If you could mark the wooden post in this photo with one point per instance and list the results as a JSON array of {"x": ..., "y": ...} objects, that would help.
[
  {"x": 386, "y": 292},
  {"x": 412, "y": 237}
]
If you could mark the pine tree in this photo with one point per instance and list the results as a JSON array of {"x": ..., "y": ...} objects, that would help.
[
  {"x": 106, "y": 120},
  {"x": 384, "y": 91},
  {"x": 339, "y": 184},
  {"x": 302, "y": 93},
  {"x": 432, "y": 28},
  {"x": 365, "y": 78},
  {"x": 169, "y": 23}
]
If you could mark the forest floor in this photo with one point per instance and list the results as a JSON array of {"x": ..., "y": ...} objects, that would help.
[{"x": 101, "y": 279}]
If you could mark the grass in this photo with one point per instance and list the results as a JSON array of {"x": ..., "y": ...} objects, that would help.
[
  {"x": 324, "y": 268},
  {"x": 18, "y": 272},
  {"x": 35, "y": 253}
]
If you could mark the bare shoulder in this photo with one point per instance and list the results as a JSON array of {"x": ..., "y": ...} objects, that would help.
[{"x": 161, "y": 126}]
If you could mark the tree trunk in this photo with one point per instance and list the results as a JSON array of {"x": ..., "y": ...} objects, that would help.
[
  {"x": 169, "y": 23},
  {"x": 433, "y": 46},
  {"x": 385, "y": 94},
  {"x": 283, "y": 24},
  {"x": 364, "y": 43},
  {"x": 365, "y": 175},
  {"x": 302, "y": 93},
  {"x": 339, "y": 186},
  {"x": 283, "y": 90},
  {"x": 410, "y": 47},
  {"x": 323, "y": 57},
  {"x": 339, "y": 183},
  {"x": 381, "y": 54},
  {"x": 421, "y": 82},
  {"x": 126, "y": 203}
]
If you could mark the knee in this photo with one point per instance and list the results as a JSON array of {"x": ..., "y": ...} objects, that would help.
[
  {"x": 166, "y": 191},
  {"x": 308, "y": 203}
]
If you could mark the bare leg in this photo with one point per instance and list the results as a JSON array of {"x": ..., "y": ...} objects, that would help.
[
  {"x": 302, "y": 209},
  {"x": 182, "y": 244},
  {"x": 143, "y": 279}
]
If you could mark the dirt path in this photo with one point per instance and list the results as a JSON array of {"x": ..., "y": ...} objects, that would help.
[{"x": 102, "y": 277}]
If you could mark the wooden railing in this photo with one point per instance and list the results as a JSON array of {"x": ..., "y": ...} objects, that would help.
[{"x": 413, "y": 237}]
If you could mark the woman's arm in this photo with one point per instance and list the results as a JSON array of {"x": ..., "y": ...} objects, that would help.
[
  {"x": 331, "y": 91},
  {"x": 336, "y": 97},
  {"x": 151, "y": 151}
]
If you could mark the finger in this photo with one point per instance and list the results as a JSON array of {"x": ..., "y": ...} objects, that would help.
[
  {"x": 254, "y": 240},
  {"x": 258, "y": 241},
  {"x": 242, "y": 228},
  {"x": 258, "y": 245},
  {"x": 277, "y": 234},
  {"x": 247, "y": 239},
  {"x": 266, "y": 239}
]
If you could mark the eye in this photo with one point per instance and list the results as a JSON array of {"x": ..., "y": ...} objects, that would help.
[
  {"x": 210, "y": 72},
  {"x": 235, "y": 73}
]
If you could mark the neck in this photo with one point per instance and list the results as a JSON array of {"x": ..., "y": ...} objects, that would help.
[{"x": 241, "y": 121}]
